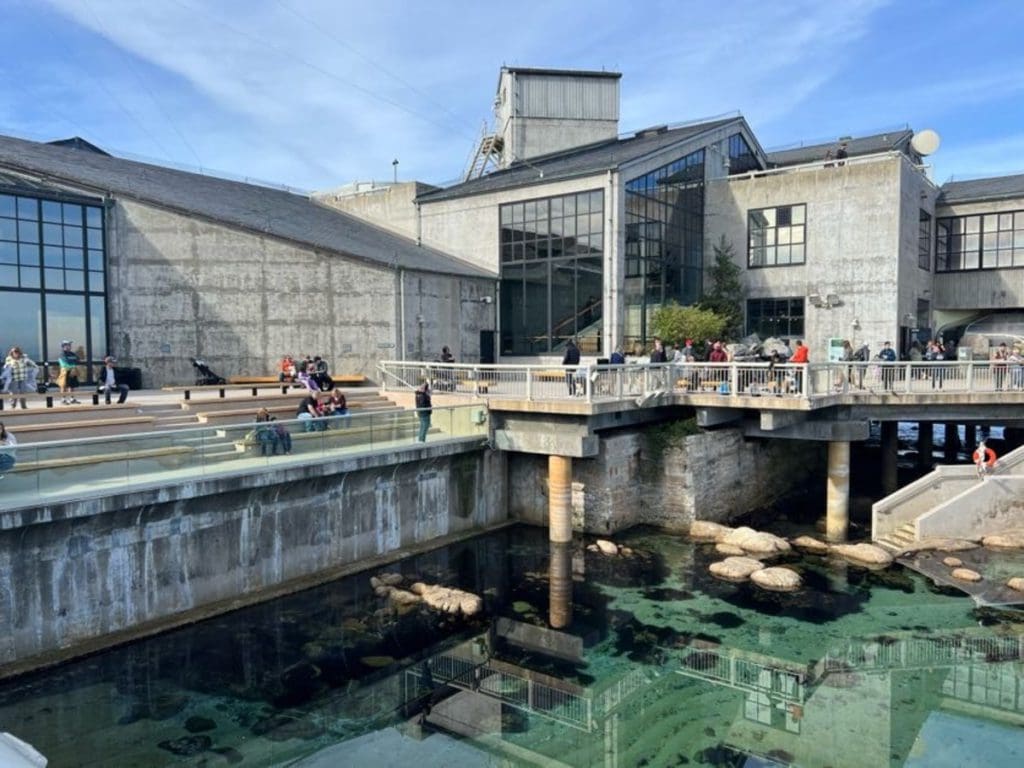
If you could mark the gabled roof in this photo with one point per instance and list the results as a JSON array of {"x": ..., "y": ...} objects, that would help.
[
  {"x": 981, "y": 190},
  {"x": 893, "y": 141},
  {"x": 272, "y": 212},
  {"x": 578, "y": 161},
  {"x": 77, "y": 142}
]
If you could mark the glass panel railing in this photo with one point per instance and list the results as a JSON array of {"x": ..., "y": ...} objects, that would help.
[{"x": 76, "y": 469}]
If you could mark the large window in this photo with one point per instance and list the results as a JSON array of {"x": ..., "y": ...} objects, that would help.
[
  {"x": 552, "y": 276},
  {"x": 776, "y": 236},
  {"x": 741, "y": 157},
  {"x": 52, "y": 275},
  {"x": 664, "y": 256},
  {"x": 984, "y": 241},
  {"x": 924, "y": 241},
  {"x": 781, "y": 318}
]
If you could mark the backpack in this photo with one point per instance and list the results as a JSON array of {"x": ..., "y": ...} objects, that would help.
[{"x": 862, "y": 354}]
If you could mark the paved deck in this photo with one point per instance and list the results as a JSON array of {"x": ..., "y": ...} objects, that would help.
[{"x": 994, "y": 567}]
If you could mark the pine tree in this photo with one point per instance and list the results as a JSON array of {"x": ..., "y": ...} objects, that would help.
[{"x": 725, "y": 295}]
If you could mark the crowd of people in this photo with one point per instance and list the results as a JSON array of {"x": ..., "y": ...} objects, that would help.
[
  {"x": 313, "y": 373},
  {"x": 20, "y": 376}
]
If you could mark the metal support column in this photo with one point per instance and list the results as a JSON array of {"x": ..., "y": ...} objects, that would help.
[
  {"x": 951, "y": 442},
  {"x": 837, "y": 514},
  {"x": 560, "y": 498}
]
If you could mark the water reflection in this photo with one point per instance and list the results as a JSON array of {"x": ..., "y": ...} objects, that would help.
[{"x": 580, "y": 659}]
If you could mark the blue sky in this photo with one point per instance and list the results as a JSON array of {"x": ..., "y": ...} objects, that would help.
[{"x": 317, "y": 93}]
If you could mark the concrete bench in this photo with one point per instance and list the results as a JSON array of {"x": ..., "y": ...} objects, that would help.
[
  {"x": 64, "y": 413},
  {"x": 174, "y": 452},
  {"x": 72, "y": 430}
]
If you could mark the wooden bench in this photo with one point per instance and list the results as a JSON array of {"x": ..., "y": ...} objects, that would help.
[
  {"x": 223, "y": 389},
  {"x": 69, "y": 462},
  {"x": 349, "y": 380},
  {"x": 72, "y": 430},
  {"x": 14, "y": 419}
]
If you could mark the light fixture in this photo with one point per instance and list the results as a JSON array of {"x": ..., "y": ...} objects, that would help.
[
  {"x": 816, "y": 300},
  {"x": 855, "y": 324},
  {"x": 832, "y": 300}
]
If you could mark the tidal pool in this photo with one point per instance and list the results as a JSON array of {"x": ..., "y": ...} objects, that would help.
[{"x": 578, "y": 659}]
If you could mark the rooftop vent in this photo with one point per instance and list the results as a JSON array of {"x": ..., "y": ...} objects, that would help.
[{"x": 653, "y": 131}]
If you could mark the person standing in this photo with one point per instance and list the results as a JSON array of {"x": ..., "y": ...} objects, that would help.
[
  {"x": 68, "y": 362},
  {"x": 424, "y": 407},
  {"x": 887, "y": 356},
  {"x": 22, "y": 372},
  {"x": 999, "y": 365},
  {"x": 800, "y": 357},
  {"x": 7, "y": 444},
  {"x": 571, "y": 358},
  {"x": 110, "y": 383}
]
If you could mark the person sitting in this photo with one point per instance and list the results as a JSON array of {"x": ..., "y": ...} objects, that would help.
[
  {"x": 266, "y": 438},
  {"x": 321, "y": 375},
  {"x": 309, "y": 414},
  {"x": 7, "y": 455},
  {"x": 287, "y": 369},
  {"x": 307, "y": 377},
  {"x": 617, "y": 357},
  {"x": 108, "y": 382},
  {"x": 337, "y": 407}
]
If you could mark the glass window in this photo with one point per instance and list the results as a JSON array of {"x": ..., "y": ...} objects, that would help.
[
  {"x": 28, "y": 209},
  {"x": 776, "y": 236},
  {"x": 8, "y": 207},
  {"x": 985, "y": 241},
  {"x": 541, "y": 281},
  {"x": 23, "y": 321},
  {"x": 780, "y": 318},
  {"x": 65, "y": 319},
  {"x": 52, "y": 212},
  {"x": 924, "y": 241}
]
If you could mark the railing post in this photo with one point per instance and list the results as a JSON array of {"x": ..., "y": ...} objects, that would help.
[
  {"x": 908, "y": 371},
  {"x": 589, "y": 384},
  {"x": 734, "y": 379},
  {"x": 970, "y": 376},
  {"x": 647, "y": 379},
  {"x": 529, "y": 383}
]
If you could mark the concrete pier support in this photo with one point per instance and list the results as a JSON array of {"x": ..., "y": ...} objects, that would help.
[
  {"x": 560, "y": 498},
  {"x": 837, "y": 514},
  {"x": 560, "y": 585},
  {"x": 925, "y": 444},
  {"x": 889, "y": 448},
  {"x": 952, "y": 442}
]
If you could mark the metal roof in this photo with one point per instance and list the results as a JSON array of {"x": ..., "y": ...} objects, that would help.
[
  {"x": 562, "y": 72},
  {"x": 855, "y": 146},
  {"x": 980, "y": 190},
  {"x": 578, "y": 161},
  {"x": 271, "y": 212}
]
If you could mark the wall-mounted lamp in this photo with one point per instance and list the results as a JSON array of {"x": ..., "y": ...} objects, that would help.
[
  {"x": 479, "y": 300},
  {"x": 824, "y": 302},
  {"x": 855, "y": 324}
]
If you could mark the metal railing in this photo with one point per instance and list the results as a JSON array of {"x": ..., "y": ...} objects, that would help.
[
  {"x": 73, "y": 469},
  {"x": 751, "y": 379}
]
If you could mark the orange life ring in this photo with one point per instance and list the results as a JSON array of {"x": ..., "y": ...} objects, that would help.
[{"x": 989, "y": 456}]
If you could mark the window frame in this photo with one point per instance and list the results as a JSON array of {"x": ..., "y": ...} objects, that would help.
[{"x": 775, "y": 229}]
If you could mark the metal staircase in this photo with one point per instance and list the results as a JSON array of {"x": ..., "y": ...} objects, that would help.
[{"x": 487, "y": 155}]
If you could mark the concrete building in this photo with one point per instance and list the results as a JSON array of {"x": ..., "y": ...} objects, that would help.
[
  {"x": 846, "y": 240},
  {"x": 155, "y": 265}
]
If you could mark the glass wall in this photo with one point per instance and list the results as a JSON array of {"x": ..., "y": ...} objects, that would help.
[
  {"x": 52, "y": 276},
  {"x": 984, "y": 241},
  {"x": 779, "y": 318},
  {"x": 552, "y": 279},
  {"x": 741, "y": 157},
  {"x": 664, "y": 259}
]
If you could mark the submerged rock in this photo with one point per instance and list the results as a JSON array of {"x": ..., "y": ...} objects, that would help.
[
  {"x": 952, "y": 562},
  {"x": 1005, "y": 540},
  {"x": 756, "y": 542},
  {"x": 810, "y": 544},
  {"x": 863, "y": 553},
  {"x": 187, "y": 746},
  {"x": 607, "y": 547},
  {"x": 965, "y": 574},
  {"x": 197, "y": 724},
  {"x": 777, "y": 579},
  {"x": 735, "y": 568},
  {"x": 1016, "y": 583},
  {"x": 705, "y": 530}
]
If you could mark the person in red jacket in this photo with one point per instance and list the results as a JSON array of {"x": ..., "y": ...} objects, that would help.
[
  {"x": 984, "y": 459},
  {"x": 799, "y": 356}
]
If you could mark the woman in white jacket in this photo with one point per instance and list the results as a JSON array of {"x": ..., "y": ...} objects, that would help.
[{"x": 19, "y": 375}]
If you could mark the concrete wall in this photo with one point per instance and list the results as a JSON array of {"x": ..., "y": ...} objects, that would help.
[
  {"x": 180, "y": 286},
  {"x": 857, "y": 238},
  {"x": 71, "y": 575},
  {"x": 389, "y": 206},
  {"x": 715, "y": 476}
]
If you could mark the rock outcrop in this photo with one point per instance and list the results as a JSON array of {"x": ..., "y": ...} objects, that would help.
[
  {"x": 1004, "y": 540},
  {"x": 811, "y": 545},
  {"x": 447, "y": 599},
  {"x": 706, "y": 531},
  {"x": 735, "y": 568},
  {"x": 756, "y": 542},
  {"x": 777, "y": 579},
  {"x": 868, "y": 554}
]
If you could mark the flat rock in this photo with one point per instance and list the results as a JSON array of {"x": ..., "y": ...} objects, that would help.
[
  {"x": 735, "y": 568},
  {"x": 952, "y": 562},
  {"x": 777, "y": 579},
  {"x": 1016, "y": 584},
  {"x": 810, "y": 544},
  {"x": 449, "y": 600},
  {"x": 1005, "y": 540},
  {"x": 965, "y": 574},
  {"x": 705, "y": 530},
  {"x": 607, "y": 547},
  {"x": 942, "y": 545},
  {"x": 756, "y": 542},
  {"x": 729, "y": 549},
  {"x": 863, "y": 553}
]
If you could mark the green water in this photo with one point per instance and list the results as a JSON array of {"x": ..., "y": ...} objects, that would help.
[{"x": 657, "y": 664}]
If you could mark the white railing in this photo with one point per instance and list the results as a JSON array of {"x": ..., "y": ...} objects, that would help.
[{"x": 590, "y": 382}]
